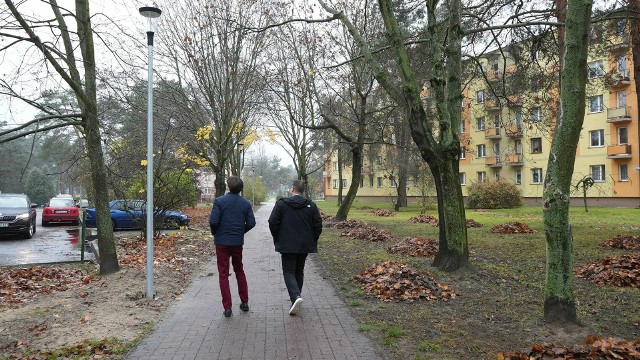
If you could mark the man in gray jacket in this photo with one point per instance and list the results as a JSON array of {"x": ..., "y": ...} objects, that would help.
[{"x": 295, "y": 225}]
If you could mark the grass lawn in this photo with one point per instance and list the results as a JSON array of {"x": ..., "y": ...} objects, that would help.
[{"x": 500, "y": 294}]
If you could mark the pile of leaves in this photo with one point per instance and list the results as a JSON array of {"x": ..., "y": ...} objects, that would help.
[
  {"x": 621, "y": 271},
  {"x": 593, "y": 348},
  {"x": 383, "y": 212},
  {"x": 23, "y": 284},
  {"x": 364, "y": 207},
  {"x": 396, "y": 281},
  {"x": 326, "y": 217},
  {"x": 88, "y": 349},
  {"x": 415, "y": 246},
  {"x": 423, "y": 218},
  {"x": 168, "y": 251},
  {"x": 369, "y": 233},
  {"x": 473, "y": 224},
  {"x": 624, "y": 242},
  {"x": 198, "y": 217},
  {"x": 348, "y": 224},
  {"x": 512, "y": 228}
]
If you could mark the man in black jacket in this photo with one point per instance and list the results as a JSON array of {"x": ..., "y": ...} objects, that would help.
[{"x": 295, "y": 225}]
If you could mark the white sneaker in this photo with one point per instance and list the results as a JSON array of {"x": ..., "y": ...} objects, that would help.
[{"x": 295, "y": 308}]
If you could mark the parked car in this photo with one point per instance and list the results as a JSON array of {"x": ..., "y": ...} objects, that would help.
[
  {"x": 17, "y": 215},
  {"x": 60, "y": 210},
  {"x": 130, "y": 214}
]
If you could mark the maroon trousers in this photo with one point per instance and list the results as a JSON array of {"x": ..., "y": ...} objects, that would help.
[{"x": 223, "y": 253}]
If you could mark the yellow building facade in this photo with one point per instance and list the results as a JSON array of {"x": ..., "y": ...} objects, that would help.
[{"x": 509, "y": 137}]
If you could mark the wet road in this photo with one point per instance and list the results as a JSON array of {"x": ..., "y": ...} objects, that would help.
[{"x": 55, "y": 243}]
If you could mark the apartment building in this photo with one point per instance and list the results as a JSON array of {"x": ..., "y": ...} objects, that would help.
[{"x": 509, "y": 117}]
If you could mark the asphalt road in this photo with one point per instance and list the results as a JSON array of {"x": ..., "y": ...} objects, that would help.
[{"x": 51, "y": 244}]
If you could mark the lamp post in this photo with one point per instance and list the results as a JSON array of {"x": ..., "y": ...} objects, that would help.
[
  {"x": 151, "y": 13},
  {"x": 240, "y": 148}
]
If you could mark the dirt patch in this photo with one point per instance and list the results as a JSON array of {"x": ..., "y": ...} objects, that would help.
[{"x": 47, "y": 317}]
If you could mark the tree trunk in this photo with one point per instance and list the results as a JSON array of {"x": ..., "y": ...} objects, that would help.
[
  {"x": 559, "y": 303},
  {"x": 403, "y": 164},
  {"x": 453, "y": 251},
  {"x": 339, "y": 176},
  {"x": 106, "y": 241},
  {"x": 356, "y": 175},
  {"x": 634, "y": 26}
]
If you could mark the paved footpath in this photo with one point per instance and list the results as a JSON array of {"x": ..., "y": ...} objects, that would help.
[{"x": 196, "y": 329}]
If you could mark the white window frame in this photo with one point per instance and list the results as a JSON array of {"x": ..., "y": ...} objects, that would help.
[
  {"x": 392, "y": 182},
  {"x": 538, "y": 140},
  {"x": 463, "y": 154},
  {"x": 623, "y": 139},
  {"x": 599, "y": 138},
  {"x": 496, "y": 121},
  {"x": 482, "y": 176},
  {"x": 623, "y": 175},
  {"x": 621, "y": 99},
  {"x": 596, "y": 69},
  {"x": 536, "y": 114},
  {"x": 344, "y": 183},
  {"x": 335, "y": 183},
  {"x": 463, "y": 178},
  {"x": 380, "y": 181},
  {"x": 480, "y": 96},
  {"x": 596, "y": 104},
  {"x": 481, "y": 123},
  {"x": 536, "y": 176},
  {"x": 482, "y": 150},
  {"x": 335, "y": 166},
  {"x": 463, "y": 127},
  {"x": 597, "y": 173},
  {"x": 496, "y": 174},
  {"x": 518, "y": 177}
]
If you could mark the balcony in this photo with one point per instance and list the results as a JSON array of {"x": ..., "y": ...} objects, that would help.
[
  {"x": 493, "y": 161},
  {"x": 515, "y": 160},
  {"x": 493, "y": 75},
  {"x": 492, "y": 105},
  {"x": 617, "y": 115},
  {"x": 619, "y": 42},
  {"x": 618, "y": 79},
  {"x": 367, "y": 170},
  {"x": 493, "y": 133},
  {"x": 622, "y": 151},
  {"x": 514, "y": 130},
  {"x": 514, "y": 100}
]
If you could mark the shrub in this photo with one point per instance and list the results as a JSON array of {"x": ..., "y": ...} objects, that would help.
[{"x": 493, "y": 195}]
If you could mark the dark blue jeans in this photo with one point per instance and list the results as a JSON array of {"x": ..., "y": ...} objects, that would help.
[{"x": 293, "y": 271}]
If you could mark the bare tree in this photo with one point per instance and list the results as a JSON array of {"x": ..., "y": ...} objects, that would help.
[
  {"x": 217, "y": 62},
  {"x": 79, "y": 74}
]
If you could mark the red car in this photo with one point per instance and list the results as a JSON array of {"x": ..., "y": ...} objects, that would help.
[{"x": 60, "y": 210}]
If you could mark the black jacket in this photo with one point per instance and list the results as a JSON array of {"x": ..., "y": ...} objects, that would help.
[{"x": 295, "y": 225}]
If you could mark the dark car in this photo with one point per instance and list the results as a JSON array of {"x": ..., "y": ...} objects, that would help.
[
  {"x": 130, "y": 214},
  {"x": 60, "y": 210},
  {"x": 17, "y": 215}
]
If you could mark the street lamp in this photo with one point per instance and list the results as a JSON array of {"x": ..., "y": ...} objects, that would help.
[
  {"x": 240, "y": 148},
  {"x": 152, "y": 14}
]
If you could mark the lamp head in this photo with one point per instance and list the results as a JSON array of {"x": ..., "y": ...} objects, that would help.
[{"x": 151, "y": 13}]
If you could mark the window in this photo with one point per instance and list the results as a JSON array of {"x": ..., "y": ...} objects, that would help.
[
  {"x": 595, "y": 104},
  {"x": 335, "y": 166},
  {"x": 518, "y": 177},
  {"x": 479, "y": 69},
  {"x": 624, "y": 172},
  {"x": 344, "y": 183},
  {"x": 621, "y": 98},
  {"x": 480, "y": 96},
  {"x": 519, "y": 118},
  {"x": 482, "y": 176},
  {"x": 623, "y": 135},
  {"x": 463, "y": 178},
  {"x": 362, "y": 181},
  {"x": 596, "y": 69},
  {"x": 496, "y": 121},
  {"x": 597, "y": 173},
  {"x": 597, "y": 138},
  {"x": 370, "y": 181},
  {"x": 496, "y": 149},
  {"x": 495, "y": 65},
  {"x": 536, "y": 145},
  {"x": 496, "y": 174},
  {"x": 481, "y": 150},
  {"x": 536, "y": 176},
  {"x": 392, "y": 182},
  {"x": 620, "y": 26},
  {"x": 380, "y": 182},
  {"x": 480, "y": 123},
  {"x": 462, "y": 127},
  {"x": 536, "y": 114},
  {"x": 621, "y": 63},
  {"x": 463, "y": 154},
  {"x": 379, "y": 160},
  {"x": 462, "y": 103},
  {"x": 335, "y": 183}
]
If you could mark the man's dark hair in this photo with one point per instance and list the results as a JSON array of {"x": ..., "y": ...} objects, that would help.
[
  {"x": 235, "y": 184},
  {"x": 298, "y": 186}
]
